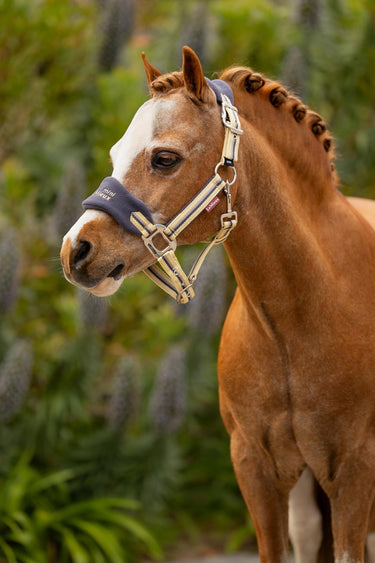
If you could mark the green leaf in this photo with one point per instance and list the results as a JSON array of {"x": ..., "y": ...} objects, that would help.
[
  {"x": 137, "y": 530},
  {"x": 91, "y": 506},
  {"x": 40, "y": 558},
  {"x": 56, "y": 478},
  {"x": 240, "y": 536},
  {"x": 106, "y": 539},
  {"x": 8, "y": 552},
  {"x": 96, "y": 553},
  {"x": 77, "y": 552}
]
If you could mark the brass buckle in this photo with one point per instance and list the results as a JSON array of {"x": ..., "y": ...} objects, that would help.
[{"x": 159, "y": 230}]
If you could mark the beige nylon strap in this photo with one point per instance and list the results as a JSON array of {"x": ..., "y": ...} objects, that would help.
[
  {"x": 187, "y": 215},
  {"x": 219, "y": 238}
]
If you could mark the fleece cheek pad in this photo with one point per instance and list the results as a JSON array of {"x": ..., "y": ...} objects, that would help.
[{"x": 114, "y": 199}]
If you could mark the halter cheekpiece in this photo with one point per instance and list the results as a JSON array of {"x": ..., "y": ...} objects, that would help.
[{"x": 134, "y": 216}]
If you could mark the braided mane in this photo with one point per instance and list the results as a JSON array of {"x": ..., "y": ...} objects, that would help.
[
  {"x": 244, "y": 78},
  {"x": 257, "y": 84}
]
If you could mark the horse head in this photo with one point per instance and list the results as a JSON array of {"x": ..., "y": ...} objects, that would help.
[{"x": 165, "y": 156}]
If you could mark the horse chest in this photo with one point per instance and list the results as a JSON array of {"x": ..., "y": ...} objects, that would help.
[
  {"x": 293, "y": 406},
  {"x": 254, "y": 391}
]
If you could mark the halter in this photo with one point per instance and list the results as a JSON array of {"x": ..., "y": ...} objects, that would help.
[{"x": 134, "y": 216}]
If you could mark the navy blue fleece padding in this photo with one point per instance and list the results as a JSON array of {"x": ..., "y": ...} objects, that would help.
[
  {"x": 220, "y": 87},
  {"x": 114, "y": 199}
]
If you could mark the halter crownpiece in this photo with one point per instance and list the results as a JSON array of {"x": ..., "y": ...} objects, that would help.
[{"x": 134, "y": 216}]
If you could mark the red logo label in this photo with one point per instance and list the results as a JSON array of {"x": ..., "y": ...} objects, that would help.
[{"x": 213, "y": 203}]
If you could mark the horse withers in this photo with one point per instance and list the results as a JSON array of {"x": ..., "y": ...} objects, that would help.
[{"x": 297, "y": 357}]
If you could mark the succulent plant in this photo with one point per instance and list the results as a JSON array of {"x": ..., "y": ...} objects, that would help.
[
  {"x": 9, "y": 266},
  {"x": 93, "y": 311},
  {"x": 15, "y": 372},
  {"x": 68, "y": 203},
  {"x": 169, "y": 396},
  {"x": 309, "y": 13},
  {"x": 206, "y": 311},
  {"x": 124, "y": 401},
  {"x": 116, "y": 27},
  {"x": 294, "y": 71}
]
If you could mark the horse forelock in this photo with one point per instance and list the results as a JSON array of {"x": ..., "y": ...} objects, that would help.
[
  {"x": 279, "y": 97},
  {"x": 167, "y": 82}
]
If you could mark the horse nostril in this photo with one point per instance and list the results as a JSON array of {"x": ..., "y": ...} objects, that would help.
[
  {"x": 82, "y": 252},
  {"x": 116, "y": 272}
]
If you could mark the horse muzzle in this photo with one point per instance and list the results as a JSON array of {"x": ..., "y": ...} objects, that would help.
[{"x": 90, "y": 259}]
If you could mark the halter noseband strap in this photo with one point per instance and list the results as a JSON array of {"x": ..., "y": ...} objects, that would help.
[{"x": 134, "y": 216}]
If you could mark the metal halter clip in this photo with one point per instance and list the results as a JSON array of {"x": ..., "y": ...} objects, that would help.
[
  {"x": 228, "y": 194},
  {"x": 230, "y": 215},
  {"x": 159, "y": 230}
]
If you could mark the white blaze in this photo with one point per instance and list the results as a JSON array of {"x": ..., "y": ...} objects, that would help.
[{"x": 136, "y": 138}]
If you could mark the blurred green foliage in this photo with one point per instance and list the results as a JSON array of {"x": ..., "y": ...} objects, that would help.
[{"x": 104, "y": 445}]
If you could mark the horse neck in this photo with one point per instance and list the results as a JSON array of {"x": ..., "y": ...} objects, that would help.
[{"x": 274, "y": 251}]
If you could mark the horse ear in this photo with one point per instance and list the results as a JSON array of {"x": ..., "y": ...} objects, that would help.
[
  {"x": 194, "y": 79},
  {"x": 151, "y": 71}
]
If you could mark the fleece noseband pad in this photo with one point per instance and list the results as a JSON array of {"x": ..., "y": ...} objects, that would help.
[{"x": 114, "y": 199}]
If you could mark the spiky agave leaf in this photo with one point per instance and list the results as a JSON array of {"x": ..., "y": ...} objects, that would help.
[
  {"x": 168, "y": 399},
  {"x": 15, "y": 372},
  {"x": 124, "y": 401},
  {"x": 9, "y": 269}
]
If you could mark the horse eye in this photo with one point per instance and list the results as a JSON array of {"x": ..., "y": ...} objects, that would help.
[{"x": 164, "y": 160}]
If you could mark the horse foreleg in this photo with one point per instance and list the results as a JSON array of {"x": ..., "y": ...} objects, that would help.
[
  {"x": 305, "y": 519},
  {"x": 351, "y": 497},
  {"x": 370, "y": 540},
  {"x": 266, "y": 500}
]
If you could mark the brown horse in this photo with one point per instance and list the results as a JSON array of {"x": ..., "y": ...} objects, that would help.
[{"x": 297, "y": 356}]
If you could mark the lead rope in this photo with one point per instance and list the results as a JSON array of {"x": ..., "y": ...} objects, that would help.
[{"x": 168, "y": 273}]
